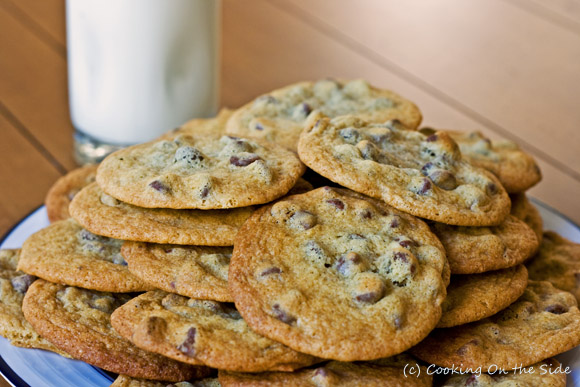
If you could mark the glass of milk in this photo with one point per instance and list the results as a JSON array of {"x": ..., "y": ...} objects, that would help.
[{"x": 138, "y": 68}]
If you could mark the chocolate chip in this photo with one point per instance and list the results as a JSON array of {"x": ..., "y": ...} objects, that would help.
[
  {"x": 368, "y": 150},
  {"x": 258, "y": 126},
  {"x": 306, "y": 109},
  {"x": 426, "y": 168},
  {"x": 22, "y": 282},
  {"x": 444, "y": 179},
  {"x": 321, "y": 372},
  {"x": 167, "y": 250},
  {"x": 353, "y": 257},
  {"x": 339, "y": 204},
  {"x": 556, "y": 309},
  {"x": 172, "y": 284},
  {"x": 431, "y": 138},
  {"x": 463, "y": 349},
  {"x": 282, "y": 315},
  {"x": 406, "y": 243},
  {"x": 189, "y": 155},
  {"x": 350, "y": 135},
  {"x": 244, "y": 161},
  {"x": 491, "y": 188},
  {"x": 313, "y": 248},
  {"x": 471, "y": 380},
  {"x": 159, "y": 186},
  {"x": 86, "y": 235},
  {"x": 188, "y": 345},
  {"x": 394, "y": 223},
  {"x": 400, "y": 256},
  {"x": 370, "y": 297},
  {"x": 425, "y": 187},
  {"x": 398, "y": 322},
  {"x": 272, "y": 270},
  {"x": 427, "y": 131},
  {"x": 156, "y": 326},
  {"x": 204, "y": 192},
  {"x": 303, "y": 219},
  {"x": 366, "y": 214},
  {"x": 340, "y": 265}
]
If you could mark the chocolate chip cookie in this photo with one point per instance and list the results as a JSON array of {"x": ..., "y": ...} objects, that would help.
[
  {"x": 201, "y": 332},
  {"x": 472, "y": 297},
  {"x": 104, "y": 215},
  {"x": 384, "y": 372},
  {"x": 558, "y": 262},
  {"x": 543, "y": 322},
  {"x": 66, "y": 253},
  {"x": 199, "y": 172},
  {"x": 413, "y": 172},
  {"x": 524, "y": 210},
  {"x": 516, "y": 170},
  {"x": 13, "y": 286},
  {"x": 192, "y": 271},
  {"x": 78, "y": 321},
  {"x": 280, "y": 115},
  {"x": 127, "y": 381},
  {"x": 338, "y": 275},
  {"x": 480, "y": 249},
  {"x": 201, "y": 126},
  {"x": 63, "y": 191}
]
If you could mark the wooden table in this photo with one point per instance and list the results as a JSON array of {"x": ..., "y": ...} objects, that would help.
[{"x": 510, "y": 68}]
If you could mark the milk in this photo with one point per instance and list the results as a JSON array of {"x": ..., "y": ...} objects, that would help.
[{"x": 138, "y": 68}]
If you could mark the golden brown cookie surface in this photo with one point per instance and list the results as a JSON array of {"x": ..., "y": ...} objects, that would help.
[
  {"x": 192, "y": 271},
  {"x": 78, "y": 321},
  {"x": 66, "y": 253},
  {"x": 334, "y": 258},
  {"x": 516, "y": 170},
  {"x": 422, "y": 175},
  {"x": 202, "y": 332},
  {"x": 524, "y": 210},
  {"x": 543, "y": 322},
  {"x": 199, "y": 172},
  {"x": 480, "y": 249},
  {"x": 280, "y": 115},
  {"x": 472, "y": 297},
  {"x": 104, "y": 215},
  {"x": 64, "y": 190},
  {"x": 558, "y": 262},
  {"x": 384, "y": 372},
  {"x": 13, "y": 286}
]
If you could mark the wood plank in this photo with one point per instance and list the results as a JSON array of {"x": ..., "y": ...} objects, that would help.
[
  {"x": 43, "y": 17},
  {"x": 521, "y": 76},
  {"x": 255, "y": 29},
  {"x": 566, "y": 13},
  {"x": 25, "y": 176},
  {"x": 33, "y": 87}
]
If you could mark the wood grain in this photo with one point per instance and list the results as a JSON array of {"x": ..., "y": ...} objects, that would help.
[
  {"x": 25, "y": 177},
  {"x": 34, "y": 87},
  {"x": 513, "y": 72}
]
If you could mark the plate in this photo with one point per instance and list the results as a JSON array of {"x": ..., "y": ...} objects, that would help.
[{"x": 32, "y": 367}]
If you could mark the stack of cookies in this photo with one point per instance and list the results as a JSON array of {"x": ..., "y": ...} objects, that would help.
[{"x": 204, "y": 250}]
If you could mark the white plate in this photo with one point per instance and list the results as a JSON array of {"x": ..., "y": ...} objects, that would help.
[{"x": 23, "y": 367}]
